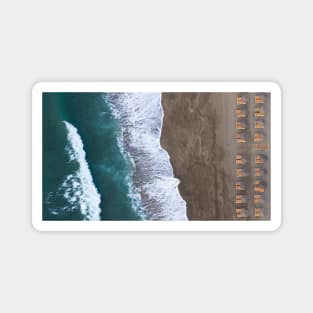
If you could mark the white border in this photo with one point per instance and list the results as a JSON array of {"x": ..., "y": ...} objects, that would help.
[{"x": 271, "y": 225}]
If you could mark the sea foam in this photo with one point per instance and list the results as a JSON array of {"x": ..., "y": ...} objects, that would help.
[
  {"x": 141, "y": 116},
  {"x": 78, "y": 188}
]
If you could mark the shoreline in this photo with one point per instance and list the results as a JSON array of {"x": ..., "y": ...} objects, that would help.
[{"x": 140, "y": 116}]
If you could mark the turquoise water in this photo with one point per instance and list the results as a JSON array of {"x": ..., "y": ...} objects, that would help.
[{"x": 82, "y": 160}]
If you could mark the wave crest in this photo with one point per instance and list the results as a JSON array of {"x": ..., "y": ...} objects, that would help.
[{"x": 78, "y": 189}]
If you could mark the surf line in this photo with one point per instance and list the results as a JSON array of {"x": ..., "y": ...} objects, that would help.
[{"x": 140, "y": 116}]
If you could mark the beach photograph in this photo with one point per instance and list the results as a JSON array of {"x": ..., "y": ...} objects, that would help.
[{"x": 156, "y": 156}]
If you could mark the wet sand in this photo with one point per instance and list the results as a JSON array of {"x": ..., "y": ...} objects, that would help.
[{"x": 199, "y": 134}]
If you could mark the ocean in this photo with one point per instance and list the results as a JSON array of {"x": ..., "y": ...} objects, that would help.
[{"x": 102, "y": 159}]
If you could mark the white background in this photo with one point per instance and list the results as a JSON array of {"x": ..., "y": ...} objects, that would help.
[{"x": 155, "y": 272}]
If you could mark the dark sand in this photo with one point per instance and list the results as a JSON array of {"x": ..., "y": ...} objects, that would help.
[{"x": 199, "y": 135}]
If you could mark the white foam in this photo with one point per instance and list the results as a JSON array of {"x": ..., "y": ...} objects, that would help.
[
  {"x": 78, "y": 188},
  {"x": 141, "y": 118}
]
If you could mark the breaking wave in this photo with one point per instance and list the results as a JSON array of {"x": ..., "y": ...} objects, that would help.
[
  {"x": 141, "y": 116},
  {"x": 78, "y": 189}
]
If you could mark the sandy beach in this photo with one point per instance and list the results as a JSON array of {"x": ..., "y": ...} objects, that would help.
[{"x": 199, "y": 134}]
